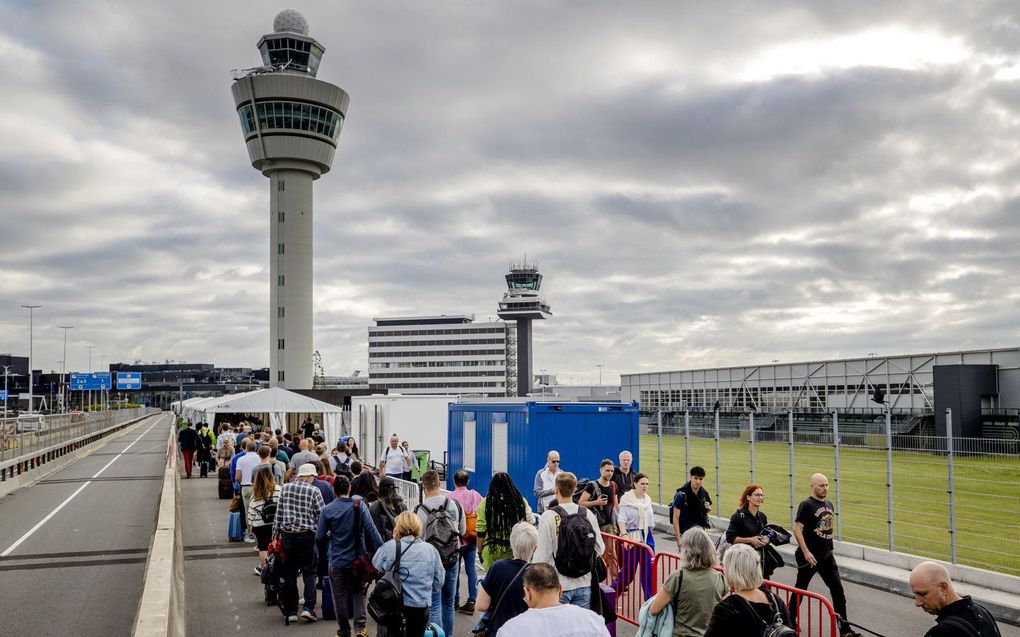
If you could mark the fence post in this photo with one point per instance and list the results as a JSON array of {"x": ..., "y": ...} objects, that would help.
[
  {"x": 717, "y": 480},
  {"x": 835, "y": 445},
  {"x": 687, "y": 443},
  {"x": 888, "y": 476},
  {"x": 952, "y": 490},
  {"x": 750, "y": 422},
  {"x": 658, "y": 420},
  {"x": 793, "y": 512}
]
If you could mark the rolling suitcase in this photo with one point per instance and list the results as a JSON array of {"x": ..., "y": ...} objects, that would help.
[
  {"x": 234, "y": 531},
  {"x": 328, "y": 611},
  {"x": 225, "y": 484},
  {"x": 611, "y": 598}
]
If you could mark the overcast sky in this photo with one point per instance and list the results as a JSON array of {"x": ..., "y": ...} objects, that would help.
[{"x": 702, "y": 184}]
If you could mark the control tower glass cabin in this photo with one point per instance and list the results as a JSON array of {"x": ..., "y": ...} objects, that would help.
[{"x": 522, "y": 303}]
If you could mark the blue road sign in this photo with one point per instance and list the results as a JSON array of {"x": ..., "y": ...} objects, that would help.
[
  {"x": 3, "y": 394},
  {"x": 129, "y": 380},
  {"x": 91, "y": 382}
]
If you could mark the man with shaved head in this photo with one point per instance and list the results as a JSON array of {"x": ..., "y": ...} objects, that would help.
[
  {"x": 954, "y": 615},
  {"x": 813, "y": 527}
]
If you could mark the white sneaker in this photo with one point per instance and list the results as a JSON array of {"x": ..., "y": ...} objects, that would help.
[{"x": 309, "y": 616}]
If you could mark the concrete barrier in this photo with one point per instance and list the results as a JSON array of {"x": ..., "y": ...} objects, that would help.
[{"x": 161, "y": 607}]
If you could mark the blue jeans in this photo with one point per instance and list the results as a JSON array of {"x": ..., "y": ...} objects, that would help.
[
  {"x": 577, "y": 596},
  {"x": 441, "y": 611},
  {"x": 469, "y": 554}
]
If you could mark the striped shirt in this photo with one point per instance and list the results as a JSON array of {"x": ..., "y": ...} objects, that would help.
[{"x": 298, "y": 509}]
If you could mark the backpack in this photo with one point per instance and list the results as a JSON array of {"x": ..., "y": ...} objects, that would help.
[
  {"x": 678, "y": 499},
  {"x": 386, "y": 603},
  {"x": 441, "y": 531},
  {"x": 342, "y": 466},
  {"x": 582, "y": 484},
  {"x": 777, "y": 628},
  {"x": 575, "y": 546},
  {"x": 471, "y": 518},
  {"x": 268, "y": 511}
]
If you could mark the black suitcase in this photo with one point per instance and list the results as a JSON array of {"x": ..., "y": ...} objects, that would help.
[{"x": 226, "y": 485}]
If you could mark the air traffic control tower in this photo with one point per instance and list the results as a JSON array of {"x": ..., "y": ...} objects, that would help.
[
  {"x": 291, "y": 123},
  {"x": 521, "y": 303}
]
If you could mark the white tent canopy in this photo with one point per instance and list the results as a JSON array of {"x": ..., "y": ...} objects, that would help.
[{"x": 277, "y": 403}]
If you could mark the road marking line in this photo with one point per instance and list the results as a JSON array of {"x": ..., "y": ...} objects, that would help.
[{"x": 73, "y": 495}]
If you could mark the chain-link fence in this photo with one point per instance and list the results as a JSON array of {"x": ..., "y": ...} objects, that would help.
[
  {"x": 30, "y": 433},
  {"x": 947, "y": 498}
]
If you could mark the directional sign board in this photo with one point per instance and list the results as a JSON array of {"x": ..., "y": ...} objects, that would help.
[
  {"x": 91, "y": 382},
  {"x": 3, "y": 394},
  {"x": 129, "y": 380}
]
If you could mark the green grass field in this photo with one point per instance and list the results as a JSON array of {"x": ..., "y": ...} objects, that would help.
[{"x": 987, "y": 503}]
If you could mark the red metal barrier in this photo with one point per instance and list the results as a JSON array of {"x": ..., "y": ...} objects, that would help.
[
  {"x": 817, "y": 617},
  {"x": 630, "y": 567}
]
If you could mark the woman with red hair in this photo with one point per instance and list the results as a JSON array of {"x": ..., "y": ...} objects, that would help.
[{"x": 747, "y": 525}]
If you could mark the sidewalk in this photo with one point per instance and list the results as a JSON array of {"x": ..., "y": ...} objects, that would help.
[{"x": 224, "y": 597}]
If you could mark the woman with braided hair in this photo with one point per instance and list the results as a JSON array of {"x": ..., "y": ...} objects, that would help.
[{"x": 501, "y": 508}]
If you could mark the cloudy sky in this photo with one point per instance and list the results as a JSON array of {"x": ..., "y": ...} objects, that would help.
[{"x": 702, "y": 184}]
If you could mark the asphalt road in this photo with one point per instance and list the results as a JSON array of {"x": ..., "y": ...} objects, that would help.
[{"x": 73, "y": 546}]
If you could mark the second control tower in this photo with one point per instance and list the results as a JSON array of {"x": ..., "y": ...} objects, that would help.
[
  {"x": 291, "y": 123},
  {"x": 522, "y": 304}
]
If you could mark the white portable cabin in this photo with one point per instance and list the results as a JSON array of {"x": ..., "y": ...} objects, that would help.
[{"x": 421, "y": 420}]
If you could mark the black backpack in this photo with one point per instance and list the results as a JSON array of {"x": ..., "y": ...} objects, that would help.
[
  {"x": 441, "y": 531},
  {"x": 386, "y": 602},
  {"x": 268, "y": 511},
  {"x": 582, "y": 484},
  {"x": 777, "y": 628},
  {"x": 575, "y": 547},
  {"x": 671, "y": 507}
]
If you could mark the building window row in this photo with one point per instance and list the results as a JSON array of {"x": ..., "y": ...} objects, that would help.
[
  {"x": 278, "y": 115},
  {"x": 468, "y": 330},
  {"x": 412, "y": 364},
  {"x": 437, "y": 354},
  {"x": 499, "y": 373},
  {"x": 472, "y": 385},
  {"x": 462, "y": 341}
]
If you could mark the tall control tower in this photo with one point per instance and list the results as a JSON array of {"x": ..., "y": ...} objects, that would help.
[
  {"x": 291, "y": 124},
  {"x": 522, "y": 304}
]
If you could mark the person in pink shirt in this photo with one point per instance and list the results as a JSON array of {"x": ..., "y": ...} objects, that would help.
[{"x": 468, "y": 500}]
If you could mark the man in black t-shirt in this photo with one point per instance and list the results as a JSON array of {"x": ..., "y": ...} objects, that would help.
[
  {"x": 813, "y": 528},
  {"x": 600, "y": 497}
]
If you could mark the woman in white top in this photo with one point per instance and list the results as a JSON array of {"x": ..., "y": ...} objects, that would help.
[
  {"x": 265, "y": 494},
  {"x": 636, "y": 520}
]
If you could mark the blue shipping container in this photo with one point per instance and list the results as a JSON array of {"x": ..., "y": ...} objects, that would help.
[{"x": 486, "y": 438}]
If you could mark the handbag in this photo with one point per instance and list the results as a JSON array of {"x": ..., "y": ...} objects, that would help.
[
  {"x": 482, "y": 629},
  {"x": 362, "y": 567},
  {"x": 235, "y": 504},
  {"x": 385, "y": 604}
]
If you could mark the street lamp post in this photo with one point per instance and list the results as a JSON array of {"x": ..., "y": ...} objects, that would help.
[
  {"x": 63, "y": 370},
  {"x": 90, "y": 348},
  {"x": 31, "y": 310}
]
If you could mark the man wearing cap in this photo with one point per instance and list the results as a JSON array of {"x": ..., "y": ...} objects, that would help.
[{"x": 297, "y": 517}]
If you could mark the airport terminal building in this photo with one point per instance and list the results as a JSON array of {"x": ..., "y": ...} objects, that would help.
[{"x": 980, "y": 386}]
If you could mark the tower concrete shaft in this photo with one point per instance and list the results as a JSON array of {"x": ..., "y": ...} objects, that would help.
[{"x": 291, "y": 124}]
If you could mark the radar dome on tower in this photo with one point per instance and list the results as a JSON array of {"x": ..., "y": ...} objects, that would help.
[{"x": 291, "y": 21}]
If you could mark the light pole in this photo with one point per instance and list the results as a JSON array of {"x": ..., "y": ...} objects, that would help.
[
  {"x": 31, "y": 311},
  {"x": 90, "y": 348},
  {"x": 7, "y": 370},
  {"x": 600, "y": 366},
  {"x": 63, "y": 370},
  {"x": 104, "y": 398}
]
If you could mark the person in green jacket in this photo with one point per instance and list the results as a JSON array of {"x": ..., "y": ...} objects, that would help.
[{"x": 501, "y": 508}]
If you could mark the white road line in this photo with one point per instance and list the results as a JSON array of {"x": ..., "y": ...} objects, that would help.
[{"x": 73, "y": 495}]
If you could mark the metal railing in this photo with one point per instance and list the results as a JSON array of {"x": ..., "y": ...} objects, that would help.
[
  {"x": 817, "y": 617},
  {"x": 893, "y": 485},
  {"x": 630, "y": 570},
  {"x": 28, "y": 437}
]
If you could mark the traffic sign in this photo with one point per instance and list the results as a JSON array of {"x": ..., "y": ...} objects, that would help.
[
  {"x": 3, "y": 394},
  {"x": 129, "y": 380},
  {"x": 90, "y": 382}
]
